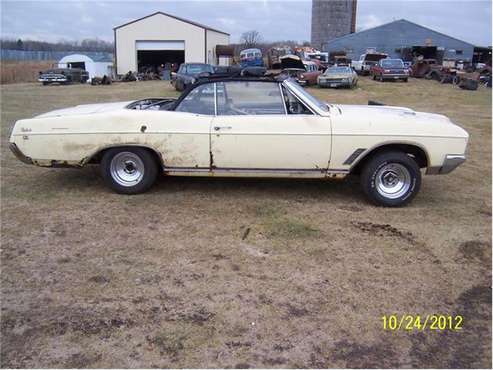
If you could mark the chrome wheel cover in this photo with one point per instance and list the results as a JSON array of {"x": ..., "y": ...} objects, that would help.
[
  {"x": 127, "y": 169},
  {"x": 393, "y": 181}
]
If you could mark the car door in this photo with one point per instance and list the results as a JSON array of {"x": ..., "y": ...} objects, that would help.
[
  {"x": 183, "y": 136},
  {"x": 254, "y": 130}
]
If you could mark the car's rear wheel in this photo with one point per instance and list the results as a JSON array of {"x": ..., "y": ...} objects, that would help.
[
  {"x": 129, "y": 170},
  {"x": 391, "y": 179}
]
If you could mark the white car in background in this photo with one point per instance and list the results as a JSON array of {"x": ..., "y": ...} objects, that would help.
[
  {"x": 363, "y": 65},
  {"x": 255, "y": 127}
]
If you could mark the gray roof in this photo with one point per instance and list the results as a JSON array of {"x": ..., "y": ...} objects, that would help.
[
  {"x": 172, "y": 16},
  {"x": 401, "y": 21}
]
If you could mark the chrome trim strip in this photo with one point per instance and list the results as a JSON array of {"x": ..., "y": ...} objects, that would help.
[
  {"x": 254, "y": 170},
  {"x": 308, "y": 105},
  {"x": 283, "y": 99}
]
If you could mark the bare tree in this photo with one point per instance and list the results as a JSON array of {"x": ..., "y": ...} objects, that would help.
[{"x": 250, "y": 39}]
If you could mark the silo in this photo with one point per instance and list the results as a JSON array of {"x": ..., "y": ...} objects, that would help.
[{"x": 332, "y": 19}]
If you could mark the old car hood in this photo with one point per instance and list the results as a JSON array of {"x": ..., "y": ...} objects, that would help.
[
  {"x": 291, "y": 61},
  {"x": 336, "y": 75},
  {"x": 379, "y": 119},
  {"x": 85, "y": 109},
  {"x": 370, "y": 111}
]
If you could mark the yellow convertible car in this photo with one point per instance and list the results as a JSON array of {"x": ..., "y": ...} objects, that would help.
[{"x": 258, "y": 127}]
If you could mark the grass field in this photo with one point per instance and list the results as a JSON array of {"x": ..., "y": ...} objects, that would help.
[
  {"x": 243, "y": 273},
  {"x": 28, "y": 71}
]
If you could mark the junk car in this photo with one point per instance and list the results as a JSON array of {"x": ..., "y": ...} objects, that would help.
[
  {"x": 63, "y": 76},
  {"x": 188, "y": 73},
  {"x": 366, "y": 61},
  {"x": 304, "y": 72},
  {"x": 246, "y": 127},
  {"x": 338, "y": 76},
  {"x": 389, "y": 69}
]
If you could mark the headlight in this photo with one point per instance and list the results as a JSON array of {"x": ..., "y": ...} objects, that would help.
[
  {"x": 192, "y": 80},
  {"x": 302, "y": 76},
  {"x": 386, "y": 70}
]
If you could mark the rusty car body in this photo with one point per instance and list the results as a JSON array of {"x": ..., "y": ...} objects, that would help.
[
  {"x": 389, "y": 69},
  {"x": 338, "y": 76},
  {"x": 303, "y": 71},
  {"x": 253, "y": 127}
]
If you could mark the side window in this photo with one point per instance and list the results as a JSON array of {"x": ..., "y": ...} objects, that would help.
[
  {"x": 249, "y": 97},
  {"x": 182, "y": 69},
  {"x": 293, "y": 105},
  {"x": 199, "y": 101}
]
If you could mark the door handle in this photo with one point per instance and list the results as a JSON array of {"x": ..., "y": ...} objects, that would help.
[{"x": 217, "y": 128}]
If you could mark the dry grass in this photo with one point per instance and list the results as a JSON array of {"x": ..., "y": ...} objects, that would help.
[
  {"x": 172, "y": 278},
  {"x": 15, "y": 71}
]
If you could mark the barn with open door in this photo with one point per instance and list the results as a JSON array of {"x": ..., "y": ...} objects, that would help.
[{"x": 164, "y": 39}]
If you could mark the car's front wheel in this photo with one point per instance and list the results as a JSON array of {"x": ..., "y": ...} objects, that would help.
[
  {"x": 391, "y": 179},
  {"x": 129, "y": 170}
]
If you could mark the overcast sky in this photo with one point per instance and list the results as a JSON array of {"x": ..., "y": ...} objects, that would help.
[{"x": 468, "y": 20}]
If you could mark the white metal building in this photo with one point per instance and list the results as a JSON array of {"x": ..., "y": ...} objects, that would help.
[
  {"x": 161, "y": 38},
  {"x": 96, "y": 66}
]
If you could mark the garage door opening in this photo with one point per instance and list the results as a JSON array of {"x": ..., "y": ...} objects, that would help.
[{"x": 150, "y": 60}]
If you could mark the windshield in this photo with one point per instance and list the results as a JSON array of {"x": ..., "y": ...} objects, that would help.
[
  {"x": 301, "y": 92},
  {"x": 338, "y": 70},
  {"x": 392, "y": 63},
  {"x": 198, "y": 68}
]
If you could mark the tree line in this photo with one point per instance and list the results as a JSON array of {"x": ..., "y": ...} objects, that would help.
[
  {"x": 249, "y": 39},
  {"x": 31, "y": 45}
]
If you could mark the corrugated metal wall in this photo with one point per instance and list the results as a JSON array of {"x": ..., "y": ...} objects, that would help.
[{"x": 390, "y": 37}]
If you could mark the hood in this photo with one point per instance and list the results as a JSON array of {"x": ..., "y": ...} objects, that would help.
[
  {"x": 336, "y": 75},
  {"x": 85, "y": 109},
  {"x": 399, "y": 121},
  {"x": 291, "y": 61}
]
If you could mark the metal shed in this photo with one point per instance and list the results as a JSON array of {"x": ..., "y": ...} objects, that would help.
[
  {"x": 164, "y": 39},
  {"x": 397, "y": 38},
  {"x": 96, "y": 66}
]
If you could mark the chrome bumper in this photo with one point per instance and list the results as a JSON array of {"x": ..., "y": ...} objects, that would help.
[
  {"x": 333, "y": 84},
  {"x": 20, "y": 156},
  {"x": 451, "y": 162},
  {"x": 394, "y": 76}
]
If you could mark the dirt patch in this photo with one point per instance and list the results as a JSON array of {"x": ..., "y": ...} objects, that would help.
[
  {"x": 385, "y": 230},
  {"x": 296, "y": 311},
  {"x": 358, "y": 355},
  {"x": 99, "y": 279},
  {"x": 168, "y": 343},
  {"x": 350, "y": 208},
  {"x": 476, "y": 250},
  {"x": 468, "y": 348},
  {"x": 81, "y": 360}
]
